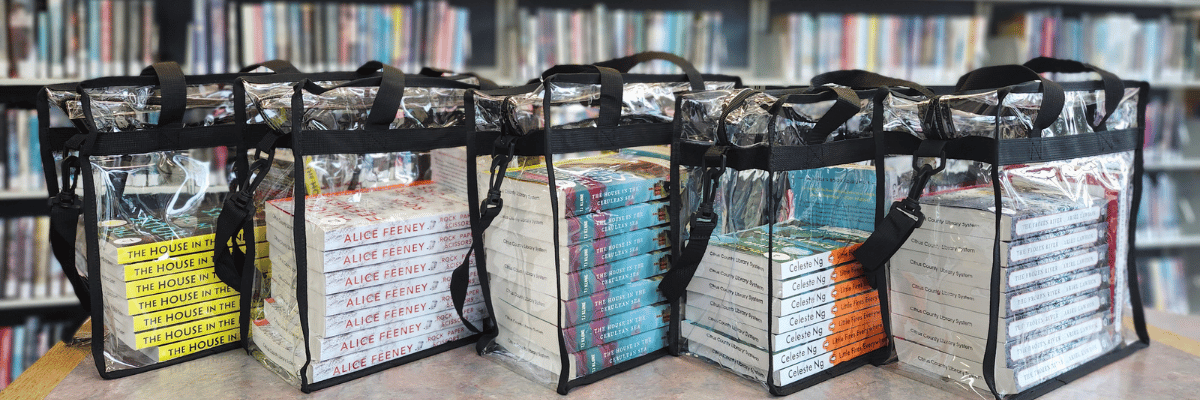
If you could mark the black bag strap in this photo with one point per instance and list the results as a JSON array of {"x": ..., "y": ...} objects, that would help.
[
  {"x": 387, "y": 100},
  {"x": 625, "y": 64},
  {"x": 173, "y": 89},
  {"x": 846, "y": 105},
  {"x": 484, "y": 83},
  {"x": 64, "y": 219},
  {"x": 612, "y": 90},
  {"x": 1000, "y": 76},
  {"x": 859, "y": 79},
  {"x": 1114, "y": 88},
  {"x": 278, "y": 66}
]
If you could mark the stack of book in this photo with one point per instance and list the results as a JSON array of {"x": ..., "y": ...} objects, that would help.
[
  {"x": 379, "y": 263},
  {"x": 781, "y": 303},
  {"x": 162, "y": 299},
  {"x": 597, "y": 291},
  {"x": 1055, "y": 304}
]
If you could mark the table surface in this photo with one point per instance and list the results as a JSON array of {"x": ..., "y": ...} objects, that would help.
[{"x": 1168, "y": 369}]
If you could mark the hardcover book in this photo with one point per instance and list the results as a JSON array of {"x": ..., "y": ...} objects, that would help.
[{"x": 972, "y": 212}]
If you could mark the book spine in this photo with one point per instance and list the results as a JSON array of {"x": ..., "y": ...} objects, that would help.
[
  {"x": 377, "y": 295},
  {"x": 866, "y": 317},
  {"x": 176, "y": 298},
  {"x": 814, "y": 365},
  {"x": 189, "y": 330},
  {"x": 179, "y": 349},
  {"x": 609, "y": 354},
  {"x": 584, "y": 227},
  {"x": 582, "y": 255},
  {"x": 163, "y": 284},
  {"x": 324, "y": 370},
  {"x": 328, "y": 240},
  {"x": 811, "y": 299},
  {"x": 337, "y": 260},
  {"x": 818, "y": 279},
  {"x": 168, "y": 248},
  {"x": 188, "y": 313},
  {"x": 328, "y": 348},
  {"x": 283, "y": 309},
  {"x": 613, "y": 301},
  {"x": 616, "y": 327},
  {"x": 327, "y": 283}
]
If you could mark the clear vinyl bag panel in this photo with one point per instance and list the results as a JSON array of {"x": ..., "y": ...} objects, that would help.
[
  {"x": 360, "y": 264},
  {"x": 149, "y": 155},
  {"x": 1043, "y": 231},
  {"x": 575, "y": 253},
  {"x": 777, "y": 296}
]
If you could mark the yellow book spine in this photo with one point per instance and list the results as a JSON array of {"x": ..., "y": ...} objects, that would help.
[
  {"x": 189, "y": 313},
  {"x": 172, "y": 265},
  {"x": 186, "y": 331},
  {"x": 180, "y": 349},
  {"x": 177, "y": 298},
  {"x": 163, "y": 284},
  {"x": 150, "y": 251},
  {"x": 397, "y": 32},
  {"x": 312, "y": 184},
  {"x": 873, "y": 44}
]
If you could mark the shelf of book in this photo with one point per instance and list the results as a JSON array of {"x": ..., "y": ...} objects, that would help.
[{"x": 1168, "y": 242}]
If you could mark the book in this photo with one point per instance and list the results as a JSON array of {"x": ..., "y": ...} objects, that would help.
[
  {"x": 348, "y": 219},
  {"x": 586, "y": 185},
  {"x": 781, "y": 341},
  {"x": 370, "y": 275},
  {"x": 789, "y": 366},
  {"x": 953, "y": 270},
  {"x": 584, "y": 227},
  {"x": 535, "y": 251},
  {"x": 585, "y": 362},
  {"x": 580, "y": 310},
  {"x": 326, "y": 348},
  {"x": 1013, "y": 353},
  {"x": 337, "y": 303},
  {"x": 1008, "y": 381},
  {"x": 147, "y": 237},
  {"x": 283, "y": 310},
  {"x": 1012, "y": 328},
  {"x": 717, "y": 271},
  {"x": 841, "y": 196},
  {"x": 757, "y": 302},
  {"x": 801, "y": 249},
  {"x": 972, "y": 212},
  {"x": 283, "y": 250},
  {"x": 585, "y": 335},
  {"x": 1011, "y": 303},
  {"x": 716, "y": 313},
  {"x": 583, "y": 282},
  {"x": 979, "y": 250}
]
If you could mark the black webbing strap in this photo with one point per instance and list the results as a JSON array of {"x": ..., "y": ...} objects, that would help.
[
  {"x": 846, "y": 105},
  {"x": 612, "y": 90},
  {"x": 701, "y": 226},
  {"x": 859, "y": 79},
  {"x": 904, "y": 216},
  {"x": 1000, "y": 76},
  {"x": 387, "y": 100},
  {"x": 783, "y": 158},
  {"x": 502, "y": 155},
  {"x": 704, "y": 220},
  {"x": 278, "y": 66},
  {"x": 1114, "y": 88},
  {"x": 64, "y": 220},
  {"x": 230, "y": 263},
  {"x": 173, "y": 92},
  {"x": 624, "y": 64},
  {"x": 484, "y": 83}
]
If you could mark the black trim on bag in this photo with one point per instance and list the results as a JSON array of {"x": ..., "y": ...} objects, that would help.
[
  {"x": 1022, "y": 151},
  {"x": 388, "y": 141},
  {"x": 783, "y": 158}
]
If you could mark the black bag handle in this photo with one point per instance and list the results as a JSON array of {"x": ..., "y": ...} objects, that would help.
[
  {"x": 859, "y": 79},
  {"x": 1114, "y": 88},
  {"x": 484, "y": 83},
  {"x": 277, "y": 65},
  {"x": 999, "y": 76},
  {"x": 612, "y": 88},
  {"x": 846, "y": 105},
  {"x": 624, "y": 64},
  {"x": 387, "y": 100},
  {"x": 173, "y": 88}
]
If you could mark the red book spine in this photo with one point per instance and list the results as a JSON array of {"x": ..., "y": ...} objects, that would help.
[
  {"x": 849, "y": 41},
  {"x": 6, "y": 353}
]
